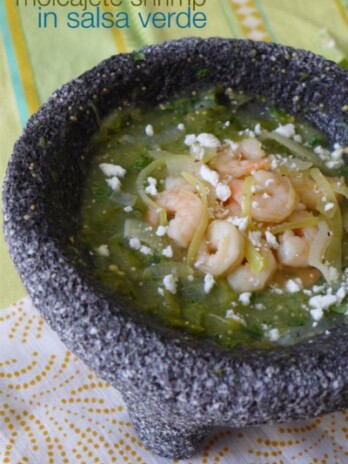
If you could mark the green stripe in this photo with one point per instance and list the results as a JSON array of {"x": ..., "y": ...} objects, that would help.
[
  {"x": 236, "y": 30},
  {"x": 265, "y": 20}
]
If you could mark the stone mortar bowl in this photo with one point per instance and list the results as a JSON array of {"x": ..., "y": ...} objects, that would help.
[{"x": 176, "y": 387}]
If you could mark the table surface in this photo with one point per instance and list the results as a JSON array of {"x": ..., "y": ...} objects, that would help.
[{"x": 53, "y": 409}]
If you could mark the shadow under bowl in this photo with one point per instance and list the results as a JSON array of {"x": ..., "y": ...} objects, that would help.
[{"x": 176, "y": 387}]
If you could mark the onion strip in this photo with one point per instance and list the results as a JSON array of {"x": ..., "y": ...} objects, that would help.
[
  {"x": 296, "y": 148},
  {"x": 333, "y": 254},
  {"x": 254, "y": 258},
  {"x": 203, "y": 223},
  {"x": 299, "y": 224}
]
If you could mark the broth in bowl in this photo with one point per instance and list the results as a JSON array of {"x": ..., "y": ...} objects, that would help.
[{"x": 220, "y": 215}]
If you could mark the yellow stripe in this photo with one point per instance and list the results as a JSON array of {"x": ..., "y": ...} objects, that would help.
[
  {"x": 23, "y": 61},
  {"x": 250, "y": 20},
  {"x": 342, "y": 10},
  {"x": 117, "y": 34}
]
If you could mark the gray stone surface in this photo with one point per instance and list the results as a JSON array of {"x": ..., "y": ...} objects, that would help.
[{"x": 176, "y": 387}]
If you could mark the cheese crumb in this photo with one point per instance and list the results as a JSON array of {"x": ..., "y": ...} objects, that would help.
[
  {"x": 207, "y": 174},
  {"x": 321, "y": 302},
  {"x": 135, "y": 243},
  {"x": 151, "y": 188},
  {"x": 181, "y": 127},
  {"x": 168, "y": 252},
  {"x": 244, "y": 298},
  {"x": 329, "y": 206},
  {"x": 190, "y": 139},
  {"x": 161, "y": 231},
  {"x": 288, "y": 130},
  {"x": 232, "y": 145},
  {"x": 255, "y": 238},
  {"x": 271, "y": 240},
  {"x": 208, "y": 140},
  {"x": 160, "y": 291},
  {"x": 208, "y": 283},
  {"x": 103, "y": 250},
  {"x": 170, "y": 283},
  {"x": 292, "y": 286},
  {"x": 316, "y": 314},
  {"x": 145, "y": 250},
  {"x": 112, "y": 170},
  {"x": 240, "y": 222},
  {"x": 230, "y": 314},
  {"x": 128, "y": 209},
  {"x": 223, "y": 192},
  {"x": 273, "y": 335},
  {"x": 114, "y": 183},
  {"x": 149, "y": 131}
]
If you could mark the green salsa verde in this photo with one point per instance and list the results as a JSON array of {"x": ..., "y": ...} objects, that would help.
[{"x": 220, "y": 215}]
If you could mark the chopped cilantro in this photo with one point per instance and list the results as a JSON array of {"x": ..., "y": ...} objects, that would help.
[
  {"x": 144, "y": 160},
  {"x": 100, "y": 191}
]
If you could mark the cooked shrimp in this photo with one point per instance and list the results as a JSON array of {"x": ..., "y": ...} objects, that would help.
[
  {"x": 295, "y": 244},
  {"x": 275, "y": 198},
  {"x": 186, "y": 208},
  {"x": 244, "y": 279},
  {"x": 227, "y": 166},
  {"x": 309, "y": 192},
  {"x": 222, "y": 250}
]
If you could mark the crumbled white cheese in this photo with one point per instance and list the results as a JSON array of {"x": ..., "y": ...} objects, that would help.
[
  {"x": 244, "y": 298},
  {"x": 223, "y": 191},
  {"x": 168, "y": 252},
  {"x": 160, "y": 291},
  {"x": 230, "y": 314},
  {"x": 273, "y": 335},
  {"x": 208, "y": 283},
  {"x": 112, "y": 170},
  {"x": 293, "y": 286},
  {"x": 240, "y": 222},
  {"x": 128, "y": 209},
  {"x": 161, "y": 231},
  {"x": 181, "y": 127},
  {"x": 145, "y": 250},
  {"x": 170, "y": 283},
  {"x": 329, "y": 206},
  {"x": 151, "y": 187},
  {"x": 232, "y": 145},
  {"x": 114, "y": 183},
  {"x": 322, "y": 301},
  {"x": 297, "y": 138},
  {"x": 255, "y": 238},
  {"x": 208, "y": 141},
  {"x": 207, "y": 174},
  {"x": 149, "y": 131},
  {"x": 317, "y": 313},
  {"x": 197, "y": 151},
  {"x": 288, "y": 130},
  {"x": 190, "y": 139},
  {"x": 258, "y": 129},
  {"x": 103, "y": 250},
  {"x": 271, "y": 240},
  {"x": 135, "y": 243}
]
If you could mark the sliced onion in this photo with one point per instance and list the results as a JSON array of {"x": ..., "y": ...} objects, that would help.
[
  {"x": 296, "y": 148},
  {"x": 203, "y": 223}
]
